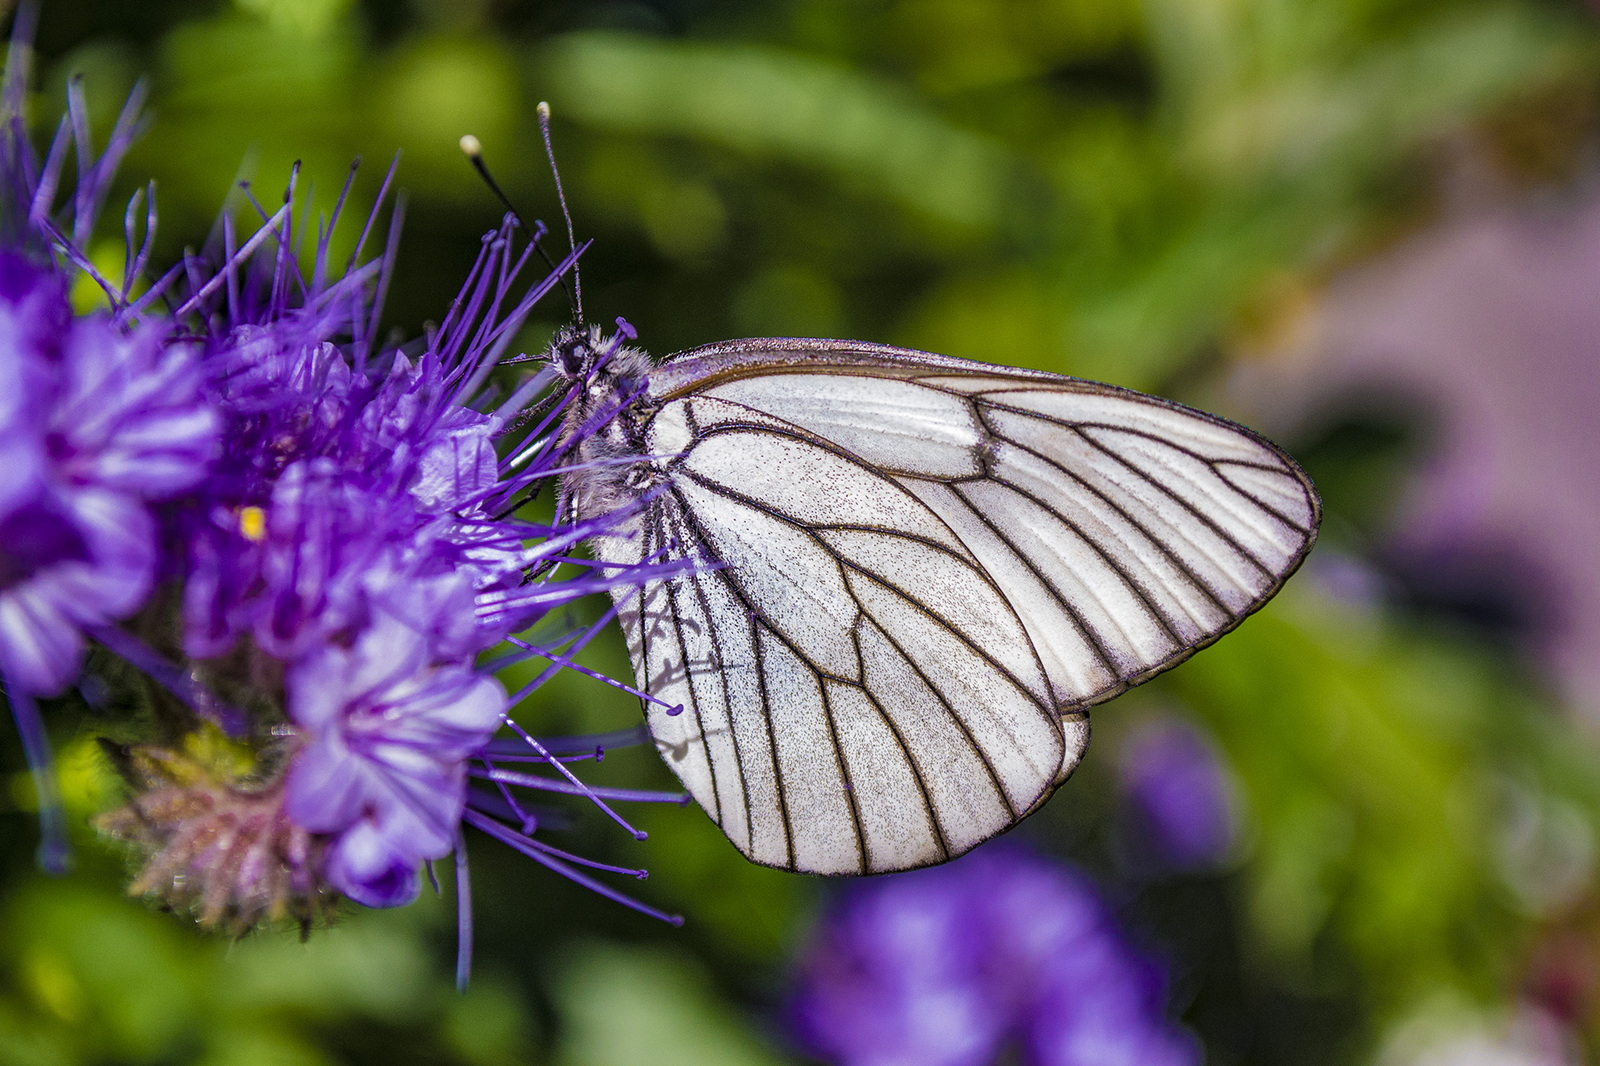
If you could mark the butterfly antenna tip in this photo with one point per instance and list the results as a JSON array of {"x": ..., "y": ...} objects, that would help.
[
  {"x": 472, "y": 148},
  {"x": 572, "y": 240}
]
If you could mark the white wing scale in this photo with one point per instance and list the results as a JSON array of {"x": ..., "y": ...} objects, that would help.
[{"x": 920, "y": 572}]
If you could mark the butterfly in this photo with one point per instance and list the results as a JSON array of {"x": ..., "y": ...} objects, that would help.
[{"x": 906, "y": 577}]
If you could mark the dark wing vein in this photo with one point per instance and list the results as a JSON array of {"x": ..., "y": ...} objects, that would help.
[
  {"x": 1216, "y": 466},
  {"x": 1159, "y": 544},
  {"x": 1207, "y": 520},
  {"x": 844, "y": 770},
  {"x": 694, "y": 694},
  {"x": 911, "y": 758},
  {"x": 738, "y": 592},
  {"x": 772, "y": 745},
  {"x": 832, "y": 553},
  {"x": 1100, "y": 650},
  {"x": 944, "y": 701},
  {"x": 727, "y": 702}
]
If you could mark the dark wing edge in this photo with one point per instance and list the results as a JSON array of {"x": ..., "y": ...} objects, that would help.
[{"x": 701, "y": 368}]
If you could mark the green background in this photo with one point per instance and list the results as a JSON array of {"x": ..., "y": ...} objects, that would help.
[{"x": 1138, "y": 192}]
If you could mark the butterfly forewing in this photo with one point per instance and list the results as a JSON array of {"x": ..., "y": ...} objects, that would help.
[{"x": 914, "y": 574}]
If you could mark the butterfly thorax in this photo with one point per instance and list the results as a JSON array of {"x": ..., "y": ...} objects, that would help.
[{"x": 604, "y": 424}]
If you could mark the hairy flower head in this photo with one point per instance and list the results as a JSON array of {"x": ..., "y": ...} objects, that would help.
[{"x": 304, "y": 544}]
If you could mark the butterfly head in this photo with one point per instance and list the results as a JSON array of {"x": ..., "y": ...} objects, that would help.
[
  {"x": 584, "y": 353},
  {"x": 575, "y": 350}
]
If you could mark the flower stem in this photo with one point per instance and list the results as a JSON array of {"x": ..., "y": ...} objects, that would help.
[{"x": 55, "y": 854}]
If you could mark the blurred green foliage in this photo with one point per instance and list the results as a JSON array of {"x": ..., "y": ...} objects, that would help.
[{"x": 1136, "y": 192}]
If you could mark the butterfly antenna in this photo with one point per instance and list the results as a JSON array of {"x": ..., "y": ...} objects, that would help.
[
  {"x": 572, "y": 240},
  {"x": 472, "y": 148}
]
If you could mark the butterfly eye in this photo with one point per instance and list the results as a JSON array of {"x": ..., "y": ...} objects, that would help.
[{"x": 571, "y": 352}]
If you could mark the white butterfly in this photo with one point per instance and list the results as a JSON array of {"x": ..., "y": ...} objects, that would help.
[{"x": 914, "y": 575}]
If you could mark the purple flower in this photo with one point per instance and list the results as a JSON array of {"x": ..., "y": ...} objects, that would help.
[
  {"x": 953, "y": 966},
  {"x": 1181, "y": 809},
  {"x": 383, "y": 765},
  {"x": 335, "y": 522},
  {"x": 68, "y": 563},
  {"x": 130, "y": 415},
  {"x": 97, "y": 422},
  {"x": 355, "y": 534},
  {"x": 333, "y": 472}
]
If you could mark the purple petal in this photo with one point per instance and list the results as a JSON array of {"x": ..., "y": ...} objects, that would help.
[
  {"x": 217, "y": 603},
  {"x": 421, "y": 825},
  {"x": 385, "y": 662},
  {"x": 116, "y": 577},
  {"x": 23, "y": 460},
  {"x": 67, "y": 562},
  {"x": 34, "y": 313},
  {"x": 326, "y": 789},
  {"x": 317, "y": 689},
  {"x": 458, "y": 464},
  {"x": 364, "y": 866},
  {"x": 132, "y": 416},
  {"x": 41, "y": 649}
]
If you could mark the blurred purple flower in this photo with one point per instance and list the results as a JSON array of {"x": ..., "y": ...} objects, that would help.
[
  {"x": 67, "y": 564},
  {"x": 96, "y": 423},
  {"x": 131, "y": 415},
  {"x": 954, "y": 966},
  {"x": 1181, "y": 810}
]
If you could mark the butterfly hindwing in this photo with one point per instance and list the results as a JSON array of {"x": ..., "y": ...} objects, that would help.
[{"x": 915, "y": 573}]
